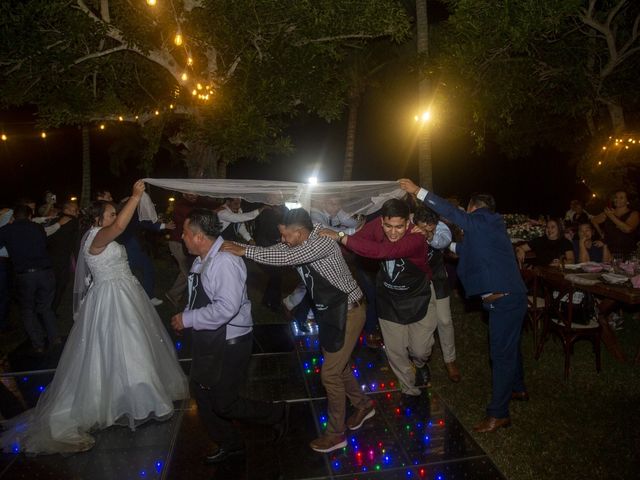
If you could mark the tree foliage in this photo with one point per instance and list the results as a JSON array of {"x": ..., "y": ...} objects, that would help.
[
  {"x": 558, "y": 72},
  {"x": 258, "y": 61}
]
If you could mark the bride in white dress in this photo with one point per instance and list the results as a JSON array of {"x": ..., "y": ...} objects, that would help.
[{"x": 118, "y": 365}]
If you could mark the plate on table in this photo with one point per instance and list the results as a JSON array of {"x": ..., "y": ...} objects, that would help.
[
  {"x": 583, "y": 278},
  {"x": 592, "y": 267},
  {"x": 614, "y": 278},
  {"x": 573, "y": 266}
]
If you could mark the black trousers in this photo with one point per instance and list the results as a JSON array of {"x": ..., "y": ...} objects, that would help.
[{"x": 220, "y": 404}]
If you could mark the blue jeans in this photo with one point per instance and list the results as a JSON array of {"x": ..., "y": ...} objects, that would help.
[{"x": 506, "y": 316}]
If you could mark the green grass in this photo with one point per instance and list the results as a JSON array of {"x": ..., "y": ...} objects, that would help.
[{"x": 585, "y": 428}]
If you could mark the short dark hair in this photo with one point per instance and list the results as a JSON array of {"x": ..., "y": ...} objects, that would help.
[
  {"x": 298, "y": 217},
  {"x": 395, "y": 208},
  {"x": 588, "y": 224},
  {"x": 22, "y": 212},
  {"x": 480, "y": 200},
  {"x": 206, "y": 221},
  {"x": 100, "y": 192},
  {"x": 425, "y": 215}
]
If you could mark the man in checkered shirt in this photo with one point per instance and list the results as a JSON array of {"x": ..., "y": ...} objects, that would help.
[{"x": 341, "y": 315}]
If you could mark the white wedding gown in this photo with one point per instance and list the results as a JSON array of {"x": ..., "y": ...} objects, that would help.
[{"x": 118, "y": 366}]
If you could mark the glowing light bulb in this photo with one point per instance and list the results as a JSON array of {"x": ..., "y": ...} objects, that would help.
[
  {"x": 151, "y": 3},
  {"x": 102, "y": 126},
  {"x": 73, "y": 199},
  {"x": 157, "y": 112},
  {"x": 3, "y": 137},
  {"x": 599, "y": 162},
  {"x": 194, "y": 92},
  {"x": 604, "y": 148},
  {"x": 171, "y": 106},
  {"x": 178, "y": 39},
  {"x": 184, "y": 77},
  {"x": 189, "y": 61},
  {"x": 593, "y": 195},
  {"x": 43, "y": 134},
  {"x": 199, "y": 86},
  {"x": 120, "y": 118}
]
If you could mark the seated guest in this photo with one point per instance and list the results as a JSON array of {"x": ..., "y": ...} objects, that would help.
[
  {"x": 576, "y": 215},
  {"x": 619, "y": 225},
  {"x": 588, "y": 250},
  {"x": 550, "y": 248}
]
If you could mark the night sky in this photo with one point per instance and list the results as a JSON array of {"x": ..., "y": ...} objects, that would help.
[{"x": 385, "y": 150}]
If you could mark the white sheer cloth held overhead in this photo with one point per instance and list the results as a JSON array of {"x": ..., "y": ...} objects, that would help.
[
  {"x": 118, "y": 366},
  {"x": 355, "y": 197}
]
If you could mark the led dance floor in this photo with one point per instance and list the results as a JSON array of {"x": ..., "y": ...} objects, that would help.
[{"x": 422, "y": 441}]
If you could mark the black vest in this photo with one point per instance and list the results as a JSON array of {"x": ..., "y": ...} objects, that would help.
[
  {"x": 207, "y": 345},
  {"x": 331, "y": 308},
  {"x": 402, "y": 295},
  {"x": 232, "y": 234},
  {"x": 439, "y": 276}
]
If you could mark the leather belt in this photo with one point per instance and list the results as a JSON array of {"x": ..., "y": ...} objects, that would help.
[
  {"x": 355, "y": 304},
  {"x": 242, "y": 338},
  {"x": 493, "y": 297},
  {"x": 33, "y": 270}
]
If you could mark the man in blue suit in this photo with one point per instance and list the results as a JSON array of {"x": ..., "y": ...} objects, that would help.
[{"x": 488, "y": 268}]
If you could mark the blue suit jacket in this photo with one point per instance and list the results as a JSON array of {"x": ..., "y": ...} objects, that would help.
[{"x": 487, "y": 260}]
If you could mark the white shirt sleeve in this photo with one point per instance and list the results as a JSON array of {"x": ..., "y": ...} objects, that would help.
[{"x": 441, "y": 237}]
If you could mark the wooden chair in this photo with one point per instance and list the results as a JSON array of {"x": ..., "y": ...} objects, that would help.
[
  {"x": 559, "y": 320},
  {"x": 536, "y": 305}
]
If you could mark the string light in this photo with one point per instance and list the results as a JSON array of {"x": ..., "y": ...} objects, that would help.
[
  {"x": 120, "y": 118},
  {"x": 199, "y": 86},
  {"x": 43, "y": 135},
  {"x": 184, "y": 77},
  {"x": 3, "y": 137},
  {"x": 102, "y": 126},
  {"x": 189, "y": 61},
  {"x": 157, "y": 112},
  {"x": 178, "y": 39},
  {"x": 151, "y": 3}
]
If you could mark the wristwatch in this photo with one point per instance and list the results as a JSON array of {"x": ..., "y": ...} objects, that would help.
[{"x": 341, "y": 235}]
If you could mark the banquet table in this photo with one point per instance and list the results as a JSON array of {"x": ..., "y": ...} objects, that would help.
[{"x": 610, "y": 296}]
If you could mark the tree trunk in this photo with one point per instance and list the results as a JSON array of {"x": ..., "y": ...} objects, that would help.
[
  {"x": 616, "y": 113},
  {"x": 424, "y": 140},
  {"x": 352, "y": 123},
  {"x": 222, "y": 169},
  {"x": 85, "y": 194},
  {"x": 201, "y": 160}
]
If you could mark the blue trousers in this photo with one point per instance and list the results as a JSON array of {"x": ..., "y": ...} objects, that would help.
[
  {"x": 506, "y": 316},
  {"x": 139, "y": 260},
  {"x": 4, "y": 293}
]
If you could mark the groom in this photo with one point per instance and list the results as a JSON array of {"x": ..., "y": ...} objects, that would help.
[{"x": 219, "y": 313}]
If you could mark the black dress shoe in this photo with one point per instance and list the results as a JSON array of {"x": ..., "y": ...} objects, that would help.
[
  {"x": 282, "y": 427},
  {"x": 423, "y": 376},
  {"x": 222, "y": 453}
]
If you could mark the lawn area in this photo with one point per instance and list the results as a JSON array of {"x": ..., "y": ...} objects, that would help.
[{"x": 586, "y": 427}]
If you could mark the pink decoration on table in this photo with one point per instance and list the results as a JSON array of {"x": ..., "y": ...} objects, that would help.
[
  {"x": 592, "y": 267},
  {"x": 628, "y": 267}
]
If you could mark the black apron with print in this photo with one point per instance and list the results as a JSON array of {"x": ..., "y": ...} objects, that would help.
[
  {"x": 207, "y": 345},
  {"x": 403, "y": 294},
  {"x": 331, "y": 308},
  {"x": 232, "y": 233},
  {"x": 439, "y": 276}
]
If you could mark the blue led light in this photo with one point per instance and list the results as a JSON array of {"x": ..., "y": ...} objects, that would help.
[
  {"x": 15, "y": 448},
  {"x": 409, "y": 473},
  {"x": 426, "y": 438},
  {"x": 158, "y": 466},
  {"x": 418, "y": 425},
  {"x": 178, "y": 345},
  {"x": 143, "y": 473},
  {"x": 336, "y": 464},
  {"x": 41, "y": 388},
  {"x": 25, "y": 379},
  {"x": 369, "y": 365},
  {"x": 387, "y": 459}
]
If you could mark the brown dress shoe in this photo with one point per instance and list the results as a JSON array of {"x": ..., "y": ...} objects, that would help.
[
  {"x": 491, "y": 424},
  {"x": 453, "y": 372},
  {"x": 360, "y": 416},
  {"x": 328, "y": 442},
  {"x": 520, "y": 396}
]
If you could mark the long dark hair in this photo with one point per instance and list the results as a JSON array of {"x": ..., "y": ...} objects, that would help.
[{"x": 93, "y": 211}]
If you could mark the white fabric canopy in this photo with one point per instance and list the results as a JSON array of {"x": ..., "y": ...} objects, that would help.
[{"x": 355, "y": 197}]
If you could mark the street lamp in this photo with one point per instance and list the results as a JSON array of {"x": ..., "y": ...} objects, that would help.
[
  {"x": 312, "y": 180},
  {"x": 424, "y": 117}
]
